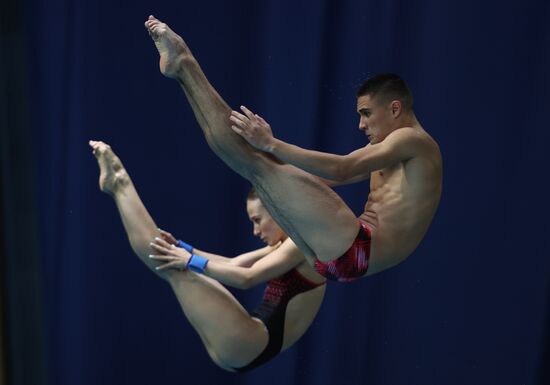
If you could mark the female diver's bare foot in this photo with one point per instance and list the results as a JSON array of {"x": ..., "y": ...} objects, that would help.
[
  {"x": 112, "y": 176},
  {"x": 171, "y": 47}
]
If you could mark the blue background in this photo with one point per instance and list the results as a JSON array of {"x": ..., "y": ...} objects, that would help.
[{"x": 468, "y": 307}]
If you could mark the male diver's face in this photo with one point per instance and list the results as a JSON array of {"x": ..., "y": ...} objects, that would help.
[
  {"x": 264, "y": 226},
  {"x": 375, "y": 119}
]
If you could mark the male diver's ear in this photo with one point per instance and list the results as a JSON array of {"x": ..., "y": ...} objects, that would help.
[{"x": 396, "y": 108}]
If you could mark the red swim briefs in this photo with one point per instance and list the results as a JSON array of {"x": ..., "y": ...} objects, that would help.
[{"x": 353, "y": 264}]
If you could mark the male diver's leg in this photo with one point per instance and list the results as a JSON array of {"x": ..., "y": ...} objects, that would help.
[
  {"x": 311, "y": 213},
  {"x": 231, "y": 337}
]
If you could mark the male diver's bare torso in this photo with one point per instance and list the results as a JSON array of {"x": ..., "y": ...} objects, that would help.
[{"x": 402, "y": 201}]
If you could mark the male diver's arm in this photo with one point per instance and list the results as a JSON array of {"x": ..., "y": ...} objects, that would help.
[
  {"x": 356, "y": 166},
  {"x": 400, "y": 145},
  {"x": 256, "y": 131}
]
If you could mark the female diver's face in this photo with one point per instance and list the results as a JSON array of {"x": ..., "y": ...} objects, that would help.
[{"x": 264, "y": 226}]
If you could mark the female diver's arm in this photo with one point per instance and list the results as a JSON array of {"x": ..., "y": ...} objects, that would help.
[{"x": 277, "y": 262}]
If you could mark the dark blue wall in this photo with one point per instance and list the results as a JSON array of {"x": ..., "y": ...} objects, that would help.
[{"x": 468, "y": 307}]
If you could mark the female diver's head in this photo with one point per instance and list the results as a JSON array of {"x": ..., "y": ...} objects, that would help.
[{"x": 264, "y": 226}]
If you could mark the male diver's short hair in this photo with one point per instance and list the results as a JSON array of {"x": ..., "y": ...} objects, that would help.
[{"x": 387, "y": 87}]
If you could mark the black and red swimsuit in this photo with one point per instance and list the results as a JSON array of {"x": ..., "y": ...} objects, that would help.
[{"x": 272, "y": 310}]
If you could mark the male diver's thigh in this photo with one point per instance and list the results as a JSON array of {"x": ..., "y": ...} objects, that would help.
[{"x": 307, "y": 209}]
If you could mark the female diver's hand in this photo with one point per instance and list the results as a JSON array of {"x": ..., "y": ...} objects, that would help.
[
  {"x": 168, "y": 237},
  {"x": 176, "y": 258}
]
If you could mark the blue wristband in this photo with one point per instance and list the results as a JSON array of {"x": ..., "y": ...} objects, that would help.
[
  {"x": 185, "y": 246},
  {"x": 197, "y": 263}
]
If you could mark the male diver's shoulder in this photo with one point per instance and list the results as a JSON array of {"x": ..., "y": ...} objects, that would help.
[
  {"x": 404, "y": 133},
  {"x": 408, "y": 136}
]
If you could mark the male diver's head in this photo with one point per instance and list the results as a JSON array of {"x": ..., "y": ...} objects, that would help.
[{"x": 383, "y": 101}]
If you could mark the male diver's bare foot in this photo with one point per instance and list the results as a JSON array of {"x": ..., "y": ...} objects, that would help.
[
  {"x": 112, "y": 176},
  {"x": 171, "y": 47}
]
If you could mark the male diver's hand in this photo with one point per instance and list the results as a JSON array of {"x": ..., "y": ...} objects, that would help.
[
  {"x": 168, "y": 237},
  {"x": 176, "y": 258},
  {"x": 253, "y": 128}
]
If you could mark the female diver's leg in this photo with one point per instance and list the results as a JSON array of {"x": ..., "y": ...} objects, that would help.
[
  {"x": 115, "y": 181},
  {"x": 231, "y": 336}
]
